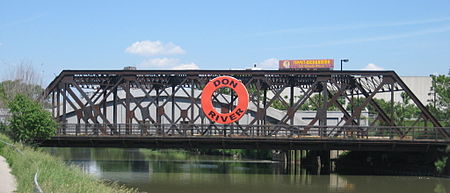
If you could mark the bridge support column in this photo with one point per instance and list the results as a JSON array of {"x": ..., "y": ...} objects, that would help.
[
  {"x": 291, "y": 160},
  {"x": 317, "y": 161},
  {"x": 322, "y": 111},
  {"x": 324, "y": 162},
  {"x": 128, "y": 118}
]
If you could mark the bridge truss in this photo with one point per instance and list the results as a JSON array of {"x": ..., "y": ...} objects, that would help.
[{"x": 92, "y": 95}]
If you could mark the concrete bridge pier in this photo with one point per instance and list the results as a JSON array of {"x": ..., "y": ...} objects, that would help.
[{"x": 291, "y": 160}]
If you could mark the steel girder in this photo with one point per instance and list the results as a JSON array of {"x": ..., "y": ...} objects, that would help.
[{"x": 88, "y": 93}]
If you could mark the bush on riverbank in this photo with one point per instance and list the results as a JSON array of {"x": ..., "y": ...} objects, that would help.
[
  {"x": 29, "y": 120},
  {"x": 54, "y": 174},
  {"x": 440, "y": 164}
]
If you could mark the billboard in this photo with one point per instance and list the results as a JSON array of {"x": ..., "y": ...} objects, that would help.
[{"x": 306, "y": 64}]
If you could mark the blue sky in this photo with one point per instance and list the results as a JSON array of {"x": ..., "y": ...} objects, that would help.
[{"x": 410, "y": 37}]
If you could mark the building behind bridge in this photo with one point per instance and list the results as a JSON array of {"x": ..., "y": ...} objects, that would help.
[{"x": 420, "y": 86}]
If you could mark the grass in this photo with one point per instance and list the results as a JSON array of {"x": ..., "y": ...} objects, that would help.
[{"x": 54, "y": 174}]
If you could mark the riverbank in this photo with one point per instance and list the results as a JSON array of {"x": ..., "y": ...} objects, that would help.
[{"x": 54, "y": 174}]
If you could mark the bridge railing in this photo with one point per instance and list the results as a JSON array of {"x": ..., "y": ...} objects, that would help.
[{"x": 347, "y": 132}]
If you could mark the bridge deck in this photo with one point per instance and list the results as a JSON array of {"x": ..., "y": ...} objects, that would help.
[
  {"x": 133, "y": 141},
  {"x": 373, "y": 138}
]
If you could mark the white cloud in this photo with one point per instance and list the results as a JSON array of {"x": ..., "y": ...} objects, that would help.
[
  {"x": 189, "y": 66},
  {"x": 157, "y": 48},
  {"x": 167, "y": 63},
  {"x": 372, "y": 66},
  {"x": 158, "y": 62},
  {"x": 271, "y": 63},
  {"x": 152, "y": 48}
]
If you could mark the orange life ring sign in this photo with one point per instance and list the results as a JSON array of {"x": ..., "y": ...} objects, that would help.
[{"x": 220, "y": 82}]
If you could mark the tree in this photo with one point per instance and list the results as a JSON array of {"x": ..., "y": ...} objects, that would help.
[
  {"x": 405, "y": 111},
  {"x": 440, "y": 107},
  {"x": 315, "y": 102},
  {"x": 30, "y": 121},
  {"x": 10, "y": 88},
  {"x": 22, "y": 78},
  {"x": 402, "y": 112},
  {"x": 355, "y": 103},
  {"x": 278, "y": 104}
]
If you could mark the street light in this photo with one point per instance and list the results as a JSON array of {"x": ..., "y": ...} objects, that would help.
[{"x": 343, "y": 60}]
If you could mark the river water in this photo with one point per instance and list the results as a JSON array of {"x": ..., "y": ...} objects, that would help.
[{"x": 174, "y": 171}]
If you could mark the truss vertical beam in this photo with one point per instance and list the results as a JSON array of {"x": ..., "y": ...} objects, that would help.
[{"x": 87, "y": 95}]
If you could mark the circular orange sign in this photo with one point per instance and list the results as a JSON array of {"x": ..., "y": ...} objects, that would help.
[{"x": 220, "y": 82}]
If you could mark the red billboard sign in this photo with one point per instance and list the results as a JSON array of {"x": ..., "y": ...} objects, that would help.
[{"x": 306, "y": 64}]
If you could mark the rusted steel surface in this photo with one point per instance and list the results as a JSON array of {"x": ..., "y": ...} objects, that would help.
[
  {"x": 346, "y": 132},
  {"x": 281, "y": 137},
  {"x": 88, "y": 94}
]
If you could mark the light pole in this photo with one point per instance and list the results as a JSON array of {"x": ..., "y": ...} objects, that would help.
[{"x": 343, "y": 60}]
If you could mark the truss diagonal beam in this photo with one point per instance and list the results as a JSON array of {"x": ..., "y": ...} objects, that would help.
[{"x": 86, "y": 94}]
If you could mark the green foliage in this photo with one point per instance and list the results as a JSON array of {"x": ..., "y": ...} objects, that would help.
[
  {"x": 225, "y": 90},
  {"x": 442, "y": 116},
  {"x": 440, "y": 164},
  {"x": 355, "y": 103},
  {"x": 4, "y": 129},
  {"x": 441, "y": 85},
  {"x": 402, "y": 112},
  {"x": 314, "y": 102},
  {"x": 29, "y": 120},
  {"x": 2, "y": 95},
  {"x": 278, "y": 104},
  {"x": 440, "y": 104},
  {"x": 405, "y": 111}
]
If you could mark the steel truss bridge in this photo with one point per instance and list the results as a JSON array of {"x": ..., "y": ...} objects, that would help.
[{"x": 95, "y": 96}]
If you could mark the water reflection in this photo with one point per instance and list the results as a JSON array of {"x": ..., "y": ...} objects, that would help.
[{"x": 179, "y": 171}]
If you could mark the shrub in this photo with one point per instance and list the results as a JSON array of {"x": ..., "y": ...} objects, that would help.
[
  {"x": 29, "y": 120},
  {"x": 440, "y": 164},
  {"x": 4, "y": 128}
]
